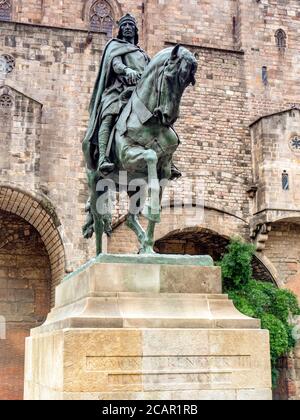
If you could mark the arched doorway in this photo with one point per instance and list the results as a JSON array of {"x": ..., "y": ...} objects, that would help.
[
  {"x": 25, "y": 284},
  {"x": 193, "y": 241},
  {"x": 32, "y": 263}
]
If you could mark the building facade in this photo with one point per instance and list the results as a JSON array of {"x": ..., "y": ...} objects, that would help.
[{"x": 240, "y": 139}]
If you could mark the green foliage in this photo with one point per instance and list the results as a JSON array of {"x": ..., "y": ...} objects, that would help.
[
  {"x": 236, "y": 264},
  {"x": 259, "y": 299},
  {"x": 279, "y": 342}
]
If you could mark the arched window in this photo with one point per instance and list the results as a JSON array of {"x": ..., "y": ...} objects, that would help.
[
  {"x": 6, "y": 101},
  {"x": 264, "y": 75},
  {"x": 285, "y": 181},
  {"x": 101, "y": 17},
  {"x": 280, "y": 37},
  {"x": 5, "y": 9}
]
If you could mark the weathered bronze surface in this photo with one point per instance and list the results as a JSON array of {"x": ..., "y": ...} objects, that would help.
[{"x": 133, "y": 108}]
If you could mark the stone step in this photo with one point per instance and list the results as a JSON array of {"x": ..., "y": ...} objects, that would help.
[{"x": 149, "y": 310}]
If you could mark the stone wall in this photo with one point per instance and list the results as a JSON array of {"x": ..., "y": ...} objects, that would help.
[
  {"x": 25, "y": 280},
  {"x": 55, "y": 68},
  {"x": 20, "y": 147},
  {"x": 259, "y": 23},
  {"x": 283, "y": 249},
  {"x": 216, "y": 149},
  {"x": 159, "y": 20},
  {"x": 274, "y": 154},
  {"x": 289, "y": 377}
]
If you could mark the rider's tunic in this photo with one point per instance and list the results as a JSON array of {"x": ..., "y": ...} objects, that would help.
[{"x": 114, "y": 97}]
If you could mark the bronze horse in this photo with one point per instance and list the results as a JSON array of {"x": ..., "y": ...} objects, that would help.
[{"x": 144, "y": 142}]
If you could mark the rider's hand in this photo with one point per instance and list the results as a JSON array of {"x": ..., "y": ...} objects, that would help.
[{"x": 132, "y": 76}]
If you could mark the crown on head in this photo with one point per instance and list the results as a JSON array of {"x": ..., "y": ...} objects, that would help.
[{"x": 127, "y": 18}]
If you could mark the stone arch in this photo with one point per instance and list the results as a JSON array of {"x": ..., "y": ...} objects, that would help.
[
  {"x": 213, "y": 218},
  {"x": 176, "y": 218},
  {"x": 38, "y": 211},
  {"x": 193, "y": 241},
  {"x": 265, "y": 270},
  {"x": 179, "y": 229},
  {"x": 25, "y": 296}
]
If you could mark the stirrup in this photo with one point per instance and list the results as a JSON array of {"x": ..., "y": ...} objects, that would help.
[
  {"x": 175, "y": 173},
  {"x": 106, "y": 166}
]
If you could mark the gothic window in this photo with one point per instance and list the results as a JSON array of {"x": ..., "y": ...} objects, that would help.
[
  {"x": 280, "y": 37},
  {"x": 6, "y": 101},
  {"x": 285, "y": 181},
  {"x": 7, "y": 63},
  {"x": 101, "y": 18},
  {"x": 5, "y": 9}
]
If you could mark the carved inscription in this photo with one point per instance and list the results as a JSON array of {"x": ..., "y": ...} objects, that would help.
[{"x": 166, "y": 363}]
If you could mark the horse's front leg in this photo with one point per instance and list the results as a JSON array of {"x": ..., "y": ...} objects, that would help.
[
  {"x": 152, "y": 210},
  {"x": 97, "y": 217}
]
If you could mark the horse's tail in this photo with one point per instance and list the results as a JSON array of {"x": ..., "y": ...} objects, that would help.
[{"x": 88, "y": 228}]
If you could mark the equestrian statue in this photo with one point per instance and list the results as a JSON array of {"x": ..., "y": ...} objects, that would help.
[{"x": 134, "y": 106}]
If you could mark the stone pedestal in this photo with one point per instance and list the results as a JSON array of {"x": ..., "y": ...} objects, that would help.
[{"x": 158, "y": 327}]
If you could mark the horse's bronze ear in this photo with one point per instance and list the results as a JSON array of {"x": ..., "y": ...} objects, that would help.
[{"x": 174, "y": 53}]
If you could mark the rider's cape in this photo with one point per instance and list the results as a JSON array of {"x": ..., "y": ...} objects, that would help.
[{"x": 105, "y": 77}]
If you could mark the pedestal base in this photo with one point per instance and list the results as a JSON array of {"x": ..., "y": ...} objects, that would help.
[{"x": 125, "y": 329}]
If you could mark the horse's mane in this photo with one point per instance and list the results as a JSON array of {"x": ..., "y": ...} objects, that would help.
[{"x": 159, "y": 60}]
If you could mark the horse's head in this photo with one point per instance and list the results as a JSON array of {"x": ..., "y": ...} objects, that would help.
[{"x": 176, "y": 75}]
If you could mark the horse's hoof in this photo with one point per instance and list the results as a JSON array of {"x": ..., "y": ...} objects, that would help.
[{"x": 147, "y": 251}]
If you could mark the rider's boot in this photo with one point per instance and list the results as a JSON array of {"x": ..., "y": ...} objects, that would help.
[{"x": 104, "y": 164}]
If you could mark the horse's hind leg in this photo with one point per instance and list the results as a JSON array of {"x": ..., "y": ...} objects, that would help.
[{"x": 133, "y": 218}]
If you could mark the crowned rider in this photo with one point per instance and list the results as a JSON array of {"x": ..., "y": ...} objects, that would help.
[{"x": 121, "y": 68}]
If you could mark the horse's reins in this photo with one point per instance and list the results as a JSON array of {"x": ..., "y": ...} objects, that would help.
[{"x": 158, "y": 87}]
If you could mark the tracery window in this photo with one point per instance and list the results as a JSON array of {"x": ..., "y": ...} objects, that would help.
[
  {"x": 101, "y": 17},
  {"x": 295, "y": 143},
  {"x": 6, "y": 101},
  {"x": 5, "y": 9}
]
